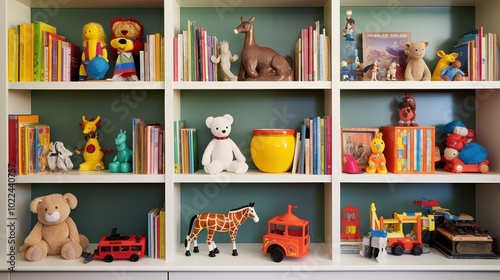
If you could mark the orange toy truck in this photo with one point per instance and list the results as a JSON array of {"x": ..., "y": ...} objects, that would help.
[{"x": 287, "y": 235}]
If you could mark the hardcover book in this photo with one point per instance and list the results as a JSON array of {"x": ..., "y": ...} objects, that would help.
[
  {"x": 38, "y": 49},
  {"x": 385, "y": 48}
]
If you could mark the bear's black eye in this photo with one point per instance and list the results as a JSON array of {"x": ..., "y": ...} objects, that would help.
[
  {"x": 57, "y": 207},
  {"x": 45, "y": 209},
  {"x": 216, "y": 128}
]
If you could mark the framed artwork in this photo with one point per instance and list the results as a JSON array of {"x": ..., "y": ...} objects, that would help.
[
  {"x": 356, "y": 142},
  {"x": 385, "y": 48}
]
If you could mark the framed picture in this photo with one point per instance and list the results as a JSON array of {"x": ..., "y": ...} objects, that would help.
[
  {"x": 356, "y": 142},
  {"x": 386, "y": 48}
]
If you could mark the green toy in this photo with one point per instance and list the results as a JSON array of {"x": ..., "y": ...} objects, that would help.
[{"x": 122, "y": 162}]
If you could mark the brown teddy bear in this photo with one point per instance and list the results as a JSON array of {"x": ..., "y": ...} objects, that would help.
[
  {"x": 131, "y": 30},
  {"x": 416, "y": 69},
  {"x": 55, "y": 232}
]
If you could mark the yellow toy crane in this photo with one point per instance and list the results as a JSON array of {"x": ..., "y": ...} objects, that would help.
[{"x": 397, "y": 241}]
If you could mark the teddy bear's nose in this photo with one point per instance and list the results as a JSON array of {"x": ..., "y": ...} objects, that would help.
[
  {"x": 223, "y": 131},
  {"x": 124, "y": 32}
]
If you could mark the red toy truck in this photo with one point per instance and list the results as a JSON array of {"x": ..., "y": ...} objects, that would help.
[{"x": 287, "y": 235}]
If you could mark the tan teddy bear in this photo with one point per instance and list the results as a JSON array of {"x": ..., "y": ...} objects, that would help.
[
  {"x": 55, "y": 232},
  {"x": 416, "y": 69}
]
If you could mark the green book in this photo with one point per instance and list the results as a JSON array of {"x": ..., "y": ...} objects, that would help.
[{"x": 40, "y": 28}]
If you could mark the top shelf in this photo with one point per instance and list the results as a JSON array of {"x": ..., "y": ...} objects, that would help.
[{"x": 244, "y": 3}]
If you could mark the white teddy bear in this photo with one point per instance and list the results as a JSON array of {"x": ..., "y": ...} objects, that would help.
[{"x": 218, "y": 155}]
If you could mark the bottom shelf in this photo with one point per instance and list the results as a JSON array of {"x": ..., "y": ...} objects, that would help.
[{"x": 251, "y": 258}]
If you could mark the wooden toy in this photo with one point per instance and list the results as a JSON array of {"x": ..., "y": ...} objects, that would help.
[{"x": 213, "y": 222}]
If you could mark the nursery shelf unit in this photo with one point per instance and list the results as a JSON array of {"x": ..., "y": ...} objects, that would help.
[{"x": 324, "y": 260}]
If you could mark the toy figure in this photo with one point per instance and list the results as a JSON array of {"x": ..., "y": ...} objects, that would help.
[
  {"x": 213, "y": 222},
  {"x": 344, "y": 70},
  {"x": 374, "y": 70},
  {"x": 391, "y": 72},
  {"x": 408, "y": 113},
  {"x": 122, "y": 162},
  {"x": 260, "y": 63},
  {"x": 58, "y": 158},
  {"x": 348, "y": 30},
  {"x": 92, "y": 153},
  {"x": 351, "y": 59},
  {"x": 376, "y": 161},
  {"x": 225, "y": 59},
  {"x": 453, "y": 72},
  {"x": 416, "y": 68},
  {"x": 94, "y": 55},
  {"x": 126, "y": 43},
  {"x": 444, "y": 61}
]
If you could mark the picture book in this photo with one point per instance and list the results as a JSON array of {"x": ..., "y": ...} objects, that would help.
[
  {"x": 385, "y": 48},
  {"x": 42, "y": 146},
  {"x": 52, "y": 42},
  {"x": 38, "y": 48},
  {"x": 29, "y": 149}
]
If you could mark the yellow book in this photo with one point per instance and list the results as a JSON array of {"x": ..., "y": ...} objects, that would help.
[
  {"x": 26, "y": 52},
  {"x": 13, "y": 55},
  {"x": 162, "y": 233},
  {"x": 39, "y": 48},
  {"x": 158, "y": 57}
]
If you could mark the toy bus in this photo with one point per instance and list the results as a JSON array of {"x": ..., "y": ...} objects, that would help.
[
  {"x": 287, "y": 235},
  {"x": 120, "y": 247}
]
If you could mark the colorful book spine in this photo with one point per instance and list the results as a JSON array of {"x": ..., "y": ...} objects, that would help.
[
  {"x": 39, "y": 48},
  {"x": 42, "y": 145},
  {"x": 13, "y": 60}
]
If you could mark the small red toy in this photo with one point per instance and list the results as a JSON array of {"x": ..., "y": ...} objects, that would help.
[
  {"x": 287, "y": 235},
  {"x": 120, "y": 247}
]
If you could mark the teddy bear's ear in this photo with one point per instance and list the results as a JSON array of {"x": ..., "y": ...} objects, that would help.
[
  {"x": 71, "y": 199},
  {"x": 426, "y": 43},
  {"x": 136, "y": 26},
  {"x": 34, "y": 204},
  {"x": 229, "y": 118},
  {"x": 208, "y": 121}
]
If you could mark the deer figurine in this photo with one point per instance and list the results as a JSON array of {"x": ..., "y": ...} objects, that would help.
[{"x": 261, "y": 63}]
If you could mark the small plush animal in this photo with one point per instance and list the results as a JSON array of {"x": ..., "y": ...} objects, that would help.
[
  {"x": 221, "y": 152},
  {"x": 417, "y": 69},
  {"x": 55, "y": 233},
  {"x": 391, "y": 72},
  {"x": 58, "y": 157},
  {"x": 377, "y": 161}
]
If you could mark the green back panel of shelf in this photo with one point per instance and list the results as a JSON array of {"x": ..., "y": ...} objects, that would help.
[
  {"x": 270, "y": 201},
  {"x": 441, "y": 26}
]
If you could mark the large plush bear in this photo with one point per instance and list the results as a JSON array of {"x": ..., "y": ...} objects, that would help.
[
  {"x": 132, "y": 31},
  {"x": 416, "y": 69},
  {"x": 222, "y": 153},
  {"x": 55, "y": 233}
]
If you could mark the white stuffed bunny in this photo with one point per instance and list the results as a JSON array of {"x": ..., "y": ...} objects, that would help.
[{"x": 222, "y": 153}]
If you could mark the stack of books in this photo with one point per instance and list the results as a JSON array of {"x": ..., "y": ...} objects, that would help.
[
  {"x": 29, "y": 143},
  {"x": 313, "y": 153},
  {"x": 148, "y": 147},
  {"x": 312, "y": 56},
  {"x": 38, "y": 53},
  {"x": 185, "y": 148},
  {"x": 193, "y": 49},
  {"x": 156, "y": 233}
]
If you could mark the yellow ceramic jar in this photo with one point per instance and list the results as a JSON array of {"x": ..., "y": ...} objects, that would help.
[{"x": 272, "y": 149}]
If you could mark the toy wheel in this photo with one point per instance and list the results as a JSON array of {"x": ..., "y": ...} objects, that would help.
[
  {"x": 483, "y": 168},
  {"x": 277, "y": 253},
  {"x": 134, "y": 258},
  {"x": 459, "y": 168},
  {"x": 397, "y": 250},
  {"x": 417, "y": 250},
  {"x": 108, "y": 258},
  {"x": 375, "y": 252}
]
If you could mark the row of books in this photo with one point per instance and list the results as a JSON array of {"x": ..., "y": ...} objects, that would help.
[
  {"x": 152, "y": 59},
  {"x": 478, "y": 53},
  {"x": 185, "y": 148},
  {"x": 148, "y": 147},
  {"x": 193, "y": 49},
  {"x": 312, "y": 55},
  {"x": 29, "y": 143},
  {"x": 37, "y": 53},
  {"x": 156, "y": 233},
  {"x": 313, "y": 151}
]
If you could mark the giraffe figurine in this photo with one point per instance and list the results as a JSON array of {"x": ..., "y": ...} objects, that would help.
[{"x": 213, "y": 222}]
